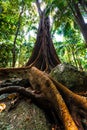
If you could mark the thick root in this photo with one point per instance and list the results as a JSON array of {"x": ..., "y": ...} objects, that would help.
[
  {"x": 37, "y": 77},
  {"x": 53, "y": 95},
  {"x": 81, "y": 101}
]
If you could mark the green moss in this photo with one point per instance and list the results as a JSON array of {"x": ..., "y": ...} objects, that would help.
[
  {"x": 70, "y": 77},
  {"x": 25, "y": 117}
]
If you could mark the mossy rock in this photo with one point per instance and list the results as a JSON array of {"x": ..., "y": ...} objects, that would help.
[
  {"x": 26, "y": 116},
  {"x": 69, "y": 76}
]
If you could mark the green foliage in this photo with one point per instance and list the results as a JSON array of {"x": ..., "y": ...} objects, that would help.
[
  {"x": 71, "y": 49},
  {"x": 7, "y": 20},
  {"x": 9, "y": 15},
  {"x": 5, "y": 54}
]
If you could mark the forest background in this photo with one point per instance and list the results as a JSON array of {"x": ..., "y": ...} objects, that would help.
[{"x": 18, "y": 30}]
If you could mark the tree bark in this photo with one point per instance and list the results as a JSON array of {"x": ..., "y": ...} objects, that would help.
[
  {"x": 44, "y": 55},
  {"x": 79, "y": 18},
  {"x": 55, "y": 93},
  {"x": 16, "y": 34}
]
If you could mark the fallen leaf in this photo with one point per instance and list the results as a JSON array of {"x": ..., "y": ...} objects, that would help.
[
  {"x": 12, "y": 96},
  {"x": 2, "y": 107}
]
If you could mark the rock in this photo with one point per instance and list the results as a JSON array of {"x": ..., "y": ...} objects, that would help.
[
  {"x": 69, "y": 76},
  {"x": 25, "y": 116}
]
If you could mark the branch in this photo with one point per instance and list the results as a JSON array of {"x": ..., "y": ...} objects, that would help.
[
  {"x": 38, "y": 7},
  {"x": 83, "y": 3}
]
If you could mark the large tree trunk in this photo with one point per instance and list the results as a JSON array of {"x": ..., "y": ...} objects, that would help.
[{"x": 44, "y": 56}]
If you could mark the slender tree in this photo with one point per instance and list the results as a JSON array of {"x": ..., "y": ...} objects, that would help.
[
  {"x": 76, "y": 7},
  {"x": 16, "y": 35}
]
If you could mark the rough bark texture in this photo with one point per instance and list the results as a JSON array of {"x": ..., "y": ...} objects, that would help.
[
  {"x": 51, "y": 92},
  {"x": 57, "y": 96},
  {"x": 44, "y": 56},
  {"x": 78, "y": 16},
  {"x": 16, "y": 35}
]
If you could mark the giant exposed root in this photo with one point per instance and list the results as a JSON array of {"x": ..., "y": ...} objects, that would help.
[
  {"x": 81, "y": 101},
  {"x": 58, "y": 96},
  {"x": 52, "y": 93},
  {"x": 49, "y": 89}
]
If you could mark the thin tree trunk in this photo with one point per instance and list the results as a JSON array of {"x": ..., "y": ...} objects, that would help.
[
  {"x": 79, "y": 18},
  {"x": 16, "y": 34}
]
